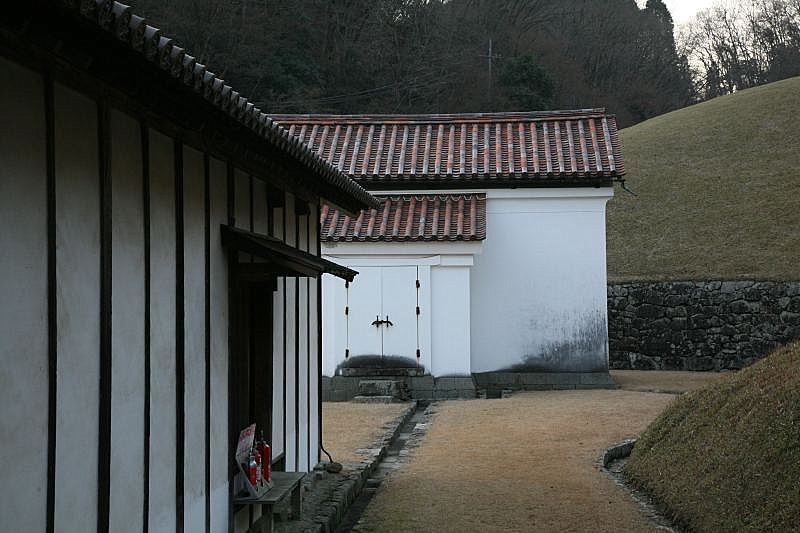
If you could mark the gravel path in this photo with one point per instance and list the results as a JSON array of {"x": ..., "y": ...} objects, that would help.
[
  {"x": 348, "y": 427},
  {"x": 525, "y": 463}
]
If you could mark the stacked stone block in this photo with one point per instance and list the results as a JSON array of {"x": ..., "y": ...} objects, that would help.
[{"x": 708, "y": 325}]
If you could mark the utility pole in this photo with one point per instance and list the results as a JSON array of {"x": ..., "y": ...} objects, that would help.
[{"x": 490, "y": 56}]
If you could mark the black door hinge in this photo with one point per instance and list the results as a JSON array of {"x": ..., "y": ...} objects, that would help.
[
  {"x": 418, "y": 353},
  {"x": 417, "y": 310},
  {"x": 418, "y": 284},
  {"x": 347, "y": 310}
]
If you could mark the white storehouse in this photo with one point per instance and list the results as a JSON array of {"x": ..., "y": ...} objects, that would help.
[
  {"x": 159, "y": 279},
  {"x": 487, "y": 257}
]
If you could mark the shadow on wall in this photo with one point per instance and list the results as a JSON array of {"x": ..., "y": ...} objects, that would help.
[
  {"x": 582, "y": 348},
  {"x": 376, "y": 362}
]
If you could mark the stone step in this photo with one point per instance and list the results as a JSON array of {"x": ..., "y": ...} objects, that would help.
[
  {"x": 375, "y": 399},
  {"x": 383, "y": 387}
]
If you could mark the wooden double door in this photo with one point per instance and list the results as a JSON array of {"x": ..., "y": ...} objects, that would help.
[{"x": 382, "y": 312}]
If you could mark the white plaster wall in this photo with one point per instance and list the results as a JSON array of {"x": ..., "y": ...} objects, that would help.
[
  {"x": 194, "y": 339},
  {"x": 220, "y": 460},
  {"x": 127, "y": 330},
  {"x": 425, "y": 295},
  {"x": 450, "y": 320},
  {"x": 291, "y": 332},
  {"x": 78, "y": 269},
  {"x": 313, "y": 348},
  {"x": 302, "y": 369},
  {"x": 539, "y": 287},
  {"x": 303, "y": 372},
  {"x": 334, "y": 335},
  {"x": 23, "y": 281},
  {"x": 162, "y": 334}
]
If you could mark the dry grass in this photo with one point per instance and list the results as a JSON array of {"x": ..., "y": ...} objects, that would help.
[
  {"x": 346, "y": 426},
  {"x": 727, "y": 457},
  {"x": 718, "y": 185},
  {"x": 675, "y": 382},
  {"x": 526, "y": 463}
]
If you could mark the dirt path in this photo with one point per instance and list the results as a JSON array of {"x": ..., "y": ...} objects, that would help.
[
  {"x": 525, "y": 463},
  {"x": 348, "y": 426}
]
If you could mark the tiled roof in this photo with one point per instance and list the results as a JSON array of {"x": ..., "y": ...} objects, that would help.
[
  {"x": 427, "y": 217},
  {"x": 521, "y": 148},
  {"x": 134, "y": 31}
]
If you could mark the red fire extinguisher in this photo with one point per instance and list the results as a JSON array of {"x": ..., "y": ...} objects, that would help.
[
  {"x": 266, "y": 457},
  {"x": 259, "y": 470},
  {"x": 252, "y": 469}
]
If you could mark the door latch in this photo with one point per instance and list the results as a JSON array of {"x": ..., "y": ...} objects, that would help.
[{"x": 378, "y": 322}]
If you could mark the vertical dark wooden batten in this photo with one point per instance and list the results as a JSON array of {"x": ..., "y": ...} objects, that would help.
[
  {"x": 52, "y": 302},
  {"x": 104, "y": 419},
  {"x": 145, "y": 143},
  {"x": 230, "y": 188}
]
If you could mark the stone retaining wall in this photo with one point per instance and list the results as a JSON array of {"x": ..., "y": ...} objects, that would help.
[{"x": 709, "y": 325}]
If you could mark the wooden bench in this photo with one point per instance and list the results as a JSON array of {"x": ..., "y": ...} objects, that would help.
[{"x": 283, "y": 484}]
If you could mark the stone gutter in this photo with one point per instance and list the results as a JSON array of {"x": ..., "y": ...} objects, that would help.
[
  {"x": 612, "y": 462},
  {"x": 328, "y": 496}
]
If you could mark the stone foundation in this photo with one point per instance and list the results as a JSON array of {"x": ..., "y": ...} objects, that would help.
[
  {"x": 345, "y": 388},
  {"x": 493, "y": 382},
  {"x": 709, "y": 325}
]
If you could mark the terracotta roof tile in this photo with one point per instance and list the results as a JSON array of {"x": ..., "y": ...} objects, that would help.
[
  {"x": 500, "y": 147},
  {"x": 427, "y": 217}
]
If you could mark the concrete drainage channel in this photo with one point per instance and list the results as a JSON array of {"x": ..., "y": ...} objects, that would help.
[
  {"x": 335, "y": 501},
  {"x": 613, "y": 463},
  {"x": 406, "y": 438}
]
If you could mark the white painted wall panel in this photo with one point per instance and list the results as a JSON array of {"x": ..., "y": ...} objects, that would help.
[
  {"x": 450, "y": 321},
  {"x": 314, "y": 392},
  {"x": 127, "y": 338},
  {"x": 278, "y": 350},
  {"x": 194, "y": 340},
  {"x": 78, "y": 272},
  {"x": 425, "y": 296},
  {"x": 539, "y": 287},
  {"x": 23, "y": 281},
  {"x": 162, "y": 334},
  {"x": 219, "y": 349},
  {"x": 334, "y": 331},
  {"x": 291, "y": 336},
  {"x": 303, "y": 368}
]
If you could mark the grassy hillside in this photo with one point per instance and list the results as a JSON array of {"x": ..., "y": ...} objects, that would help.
[
  {"x": 727, "y": 457},
  {"x": 718, "y": 189}
]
